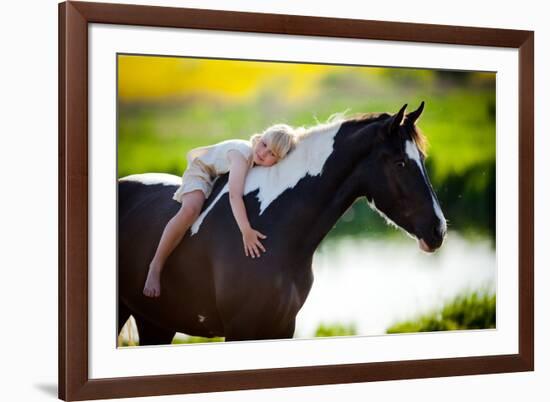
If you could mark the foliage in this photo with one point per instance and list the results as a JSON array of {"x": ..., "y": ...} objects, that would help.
[
  {"x": 123, "y": 342},
  {"x": 335, "y": 329},
  {"x": 126, "y": 343},
  {"x": 475, "y": 310},
  {"x": 195, "y": 339}
]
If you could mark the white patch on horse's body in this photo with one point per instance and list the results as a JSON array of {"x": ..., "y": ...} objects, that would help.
[
  {"x": 201, "y": 318},
  {"x": 412, "y": 152},
  {"x": 150, "y": 179},
  {"x": 308, "y": 158}
]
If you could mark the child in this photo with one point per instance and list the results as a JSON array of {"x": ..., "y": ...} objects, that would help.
[{"x": 204, "y": 164}]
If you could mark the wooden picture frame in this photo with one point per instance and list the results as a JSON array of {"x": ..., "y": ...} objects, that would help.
[{"x": 74, "y": 380}]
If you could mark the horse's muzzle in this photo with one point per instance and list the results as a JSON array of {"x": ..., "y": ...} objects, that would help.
[{"x": 433, "y": 240}]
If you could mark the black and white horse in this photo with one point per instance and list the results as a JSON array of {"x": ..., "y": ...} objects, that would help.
[{"x": 210, "y": 288}]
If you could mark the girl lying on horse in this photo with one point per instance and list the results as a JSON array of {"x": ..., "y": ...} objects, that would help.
[{"x": 204, "y": 165}]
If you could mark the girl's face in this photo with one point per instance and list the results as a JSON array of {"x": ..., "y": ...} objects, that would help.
[{"x": 263, "y": 155}]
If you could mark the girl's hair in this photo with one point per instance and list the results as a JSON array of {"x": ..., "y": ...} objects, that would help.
[{"x": 281, "y": 139}]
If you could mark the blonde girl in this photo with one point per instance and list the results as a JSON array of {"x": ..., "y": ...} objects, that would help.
[{"x": 204, "y": 164}]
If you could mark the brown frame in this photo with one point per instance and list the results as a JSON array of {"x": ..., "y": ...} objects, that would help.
[{"x": 74, "y": 17}]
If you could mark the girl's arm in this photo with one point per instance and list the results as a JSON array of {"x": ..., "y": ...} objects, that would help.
[{"x": 237, "y": 175}]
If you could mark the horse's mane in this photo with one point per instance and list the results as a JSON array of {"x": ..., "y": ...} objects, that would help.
[
  {"x": 420, "y": 140},
  {"x": 416, "y": 134},
  {"x": 364, "y": 118}
]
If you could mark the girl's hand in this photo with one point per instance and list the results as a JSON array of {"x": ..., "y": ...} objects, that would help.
[
  {"x": 237, "y": 174},
  {"x": 252, "y": 245}
]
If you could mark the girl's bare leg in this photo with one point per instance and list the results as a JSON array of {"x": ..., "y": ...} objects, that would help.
[{"x": 171, "y": 236}]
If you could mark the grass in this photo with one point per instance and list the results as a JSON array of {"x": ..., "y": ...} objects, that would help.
[
  {"x": 335, "y": 329},
  {"x": 323, "y": 330},
  {"x": 475, "y": 310},
  {"x": 195, "y": 339},
  {"x": 125, "y": 341},
  {"x": 459, "y": 124}
]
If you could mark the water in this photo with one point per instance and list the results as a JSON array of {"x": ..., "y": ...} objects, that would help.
[{"x": 374, "y": 283}]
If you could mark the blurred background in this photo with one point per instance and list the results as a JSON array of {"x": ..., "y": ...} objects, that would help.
[{"x": 370, "y": 279}]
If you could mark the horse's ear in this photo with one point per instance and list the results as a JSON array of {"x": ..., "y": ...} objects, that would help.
[
  {"x": 396, "y": 120},
  {"x": 412, "y": 117}
]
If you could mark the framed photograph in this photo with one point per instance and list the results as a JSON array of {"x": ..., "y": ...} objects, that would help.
[{"x": 262, "y": 200}]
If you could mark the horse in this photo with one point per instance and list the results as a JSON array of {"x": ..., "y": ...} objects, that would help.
[{"x": 210, "y": 288}]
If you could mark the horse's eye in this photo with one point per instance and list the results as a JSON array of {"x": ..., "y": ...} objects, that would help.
[{"x": 400, "y": 163}]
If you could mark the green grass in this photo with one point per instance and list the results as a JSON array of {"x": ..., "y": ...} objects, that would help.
[
  {"x": 175, "y": 341},
  {"x": 476, "y": 310},
  {"x": 196, "y": 339},
  {"x": 459, "y": 125},
  {"x": 336, "y": 329}
]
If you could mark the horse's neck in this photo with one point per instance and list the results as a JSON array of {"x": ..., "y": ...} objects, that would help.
[
  {"x": 331, "y": 210},
  {"x": 334, "y": 191}
]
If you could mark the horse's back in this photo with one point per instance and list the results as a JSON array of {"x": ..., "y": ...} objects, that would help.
[
  {"x": 142, "y": 188},
  {"x": 145, "y": 207}
]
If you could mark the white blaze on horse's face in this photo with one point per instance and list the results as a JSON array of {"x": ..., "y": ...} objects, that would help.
[
  {"x": 412, "y": 152},
  {"x": 308, "y": 158}
]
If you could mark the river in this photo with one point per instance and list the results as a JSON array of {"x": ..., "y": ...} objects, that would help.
[{"x": 372, "y": 283}]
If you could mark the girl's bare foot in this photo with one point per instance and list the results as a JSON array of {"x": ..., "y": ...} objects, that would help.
[{"x": 152, "y": 284}]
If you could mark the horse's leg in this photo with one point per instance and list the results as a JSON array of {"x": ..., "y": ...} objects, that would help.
[
  {"x": 288, "y": 332},
  {"x": 242, "y": 330},
  {"x": 150, "y": 334}
]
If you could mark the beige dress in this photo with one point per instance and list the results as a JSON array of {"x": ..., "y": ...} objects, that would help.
[{"x": 205, "y": 164}]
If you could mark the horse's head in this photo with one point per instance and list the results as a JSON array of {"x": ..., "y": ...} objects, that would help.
[{"x": 396, "y": 182}]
